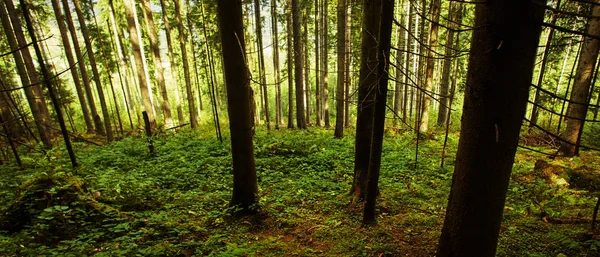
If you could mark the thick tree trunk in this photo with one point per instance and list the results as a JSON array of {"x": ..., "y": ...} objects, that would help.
[
  {"x": 499, "y": 76},
  {"x": 275, "y": 31},
  {"x": 92, "y": 59},
  {"x": 238, "y": 82},
  {"x": 578, "y": 105},
  {"x": 27, "y": 72},
  {"x": 385, "y": 36},
  {"x": 298, "y": 65},
  {"x": 433, "y": 42},
  {"x": 341, "y": 68},
  {"x": 290, "y": 66},
  {"x": 366, "y": 99},
  {"x": 158, "y": 68},
  {"x": 186, "y": 67}
]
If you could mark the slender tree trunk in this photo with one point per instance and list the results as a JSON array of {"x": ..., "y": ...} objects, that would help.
[
  {"x": 366, "y": 98},
  {"x": 238, "y": 82},
  {"x": 172, "y": 60},
  {"x": 449, "y": 57},
  {"x": 386, "y": 15},
  {"x": 290, "y": 67},
  {"x": 137, "y": 54},
  {"x": 186, "y": 67},
  {"x": 433, "y": 42},
  {"x": 307, "y": 89},
  {"x": 158, "y": 68},
  {"x": 325, "y": 65},
  {"x": 319, "y": 105},
  {"x": 348, "y": 57},
  {"x": 408, "y": 98},
  {"x": 92, "y": 59},
  {"x": 212, "y": 81},
  {"x": 261, "y": 63},
  {"x": 190, "y": 27},
  {"x": 71, "y": 61},
  {"x": 398, "y": 85},
  {"x": 499, "y": 77},
  {"x": 298, "y": 65},
  {"x": 341, "y": 68},
  {"x": 578, "y": 105},
  {"x": 278, "y": 106},
  {"x": 27, "y": 71}
]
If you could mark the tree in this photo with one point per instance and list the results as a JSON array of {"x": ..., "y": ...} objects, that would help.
[
  {"x": 433, "y": 41},
  {"x": 499, "y": 76},
  {"x": 275, "y": 31},
  {"x": 158, "y": 68},
  {"x": 446, "y": 68},
  {"x": 368, "y": 83},
  {"x": 290, "y": 65},
  {"x": 261, "y": 62},
  {"x": 318, "y": 103},
  {"x": 386, "y": 16},
  {"x": 92, "y": 58},
  {"x": 298, "y": 65},
  {"x": 578, "y": 104},
  {"x": 325, "y": 62},
  {"x": 341, "y": 68},
  {"x": 238, "y": 104},
  {"x": 186, "y": 66}
]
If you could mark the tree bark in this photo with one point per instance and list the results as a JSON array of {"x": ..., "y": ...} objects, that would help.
[
  {"x": 325, "y": 65},
  {"x": 306, "y": 66},
  {"x": 158, "y": 67},
  {"x": 238, "y": 82},
  {"x": 399, "y": 85},
  {"x": 341, "y": 68},
  {"x": 578, "y": 107},
  {"x": 348, "y": 50},
  {"x": 446, "y": 69},
  {"x": 261, "y": 63},
  {"x": 499, "y": 77},
  {"x": 275, "y": 31},
  {"x": 318, "y": 102},
  {"x": 433, "y": 42},
  {"x": 186, "y": 67},
  {"x": 298, "y": 65},
  {"x": 92, "y": 59},
  {"x": 290, "y": 66}
]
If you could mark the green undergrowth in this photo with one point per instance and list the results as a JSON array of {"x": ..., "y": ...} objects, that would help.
[{"x": 123, "y": 202}]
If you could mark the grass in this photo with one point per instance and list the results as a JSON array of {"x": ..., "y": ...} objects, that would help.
[{"x": 176, "y": 203}]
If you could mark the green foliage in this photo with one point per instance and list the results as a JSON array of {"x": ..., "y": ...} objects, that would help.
[{"x": 177, "y": 202}]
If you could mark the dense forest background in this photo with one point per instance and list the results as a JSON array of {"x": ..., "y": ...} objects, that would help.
[{"x": 270, "y": 127}]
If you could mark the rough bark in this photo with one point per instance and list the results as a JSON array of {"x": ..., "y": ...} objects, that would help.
[
  {"x": 238, "y": 82},
  {"x": 446, "y": 69},
  {"x": 341, "y": 68},
  {"x": 92, "y": 58},
  {"x": 578, "y": 105},
  {"x": 499, "y": 77},
  {"x": 290, "y": 66},
  {"x": 158, "y": 67},
  {"x": 298, "y": 64},
  {"x": 186, "y": 67},
  {"x": 348, "y": 50},
  {"x": 433, "y": 42},
  {"x": 305, "y": 46}
]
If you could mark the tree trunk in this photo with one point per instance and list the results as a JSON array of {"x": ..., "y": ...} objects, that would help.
[
  {"x": 172, "y": 59},
  {"x": 27, "y": 72},
  {"x": 278, "y": 106},
  {"x": 318, "y": 102},
  {"x": 306, "y": 66},
  {"x": 385, "y": 36},
  {"x": 298, "y": 65},
  {"x": 499, "y": 76},
  {"x": 261, "y": 62},
  {"x": 71, "y": 61},
  {"x": 290, "y": 67},
  {"x": 348, "y": 50},
  {"x": 186, "y": 67},
  {"x": 433, "y": 42},
  {"x": 398, "y": 85},
  {"x": 158, "y": 68},
  {"x": 341, "y": 68},
  {"x": 92, "y": 58},
  {"x": 449, "y": 57},
  {"x": 366, "y": 99},
  {"x": 578, "y": 108},
  {"x": 325, "y": 65},
  {"x": 238, "y": 82}
]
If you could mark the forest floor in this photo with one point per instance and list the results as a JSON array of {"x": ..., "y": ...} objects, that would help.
[{"x": 123, "y": 202}]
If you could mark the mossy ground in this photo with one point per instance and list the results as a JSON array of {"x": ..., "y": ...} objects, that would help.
[{"x": 176, "y": 203}]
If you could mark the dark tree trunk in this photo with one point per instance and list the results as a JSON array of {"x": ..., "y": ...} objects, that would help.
[
  {"x": 578, "y": 108},
  {"x": 348, "y": 50},
  {"x": 499, "y": 76},
  {"x": 306, "y": 59},
  {"x": 238, "y": 83},
  {"x": 385, "y": 36},
  {"x": 298, "y": 64},
  {"x": 341, "y": 68},
  {"x": 290, "y": 66},
  {"x": 366, "y": 99},
  {"x": 446, "y": 69}
]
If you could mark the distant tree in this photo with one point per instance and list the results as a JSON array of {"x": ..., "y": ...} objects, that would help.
[
  {"x": 446, "y": 68},
  {"x": 275, "y": 31},
  {"x": 341, "y": 68},
  {"x": 318, "y": 102},
  {"x": 186, "y": 66},
  {"x": 298, "y": 64},
  {"x": 261, "y": 63},
  {"x": 430, "y": 62},
  {"x": 325, "y": 62},
  {"x": 578, "y": 105},
  {"x": 290, "y": 64},
  {"x": 499, "y": 77},
  {"x": 238, "y": 103}
]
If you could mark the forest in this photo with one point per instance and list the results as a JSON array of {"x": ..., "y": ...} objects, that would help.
[{"x": 299, "y": 128}]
